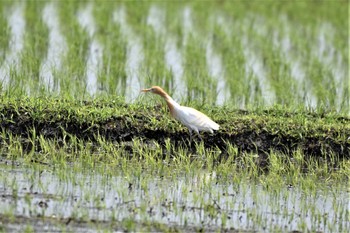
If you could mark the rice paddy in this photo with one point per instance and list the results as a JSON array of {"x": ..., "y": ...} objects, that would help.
[
  {"x": 243, "y": 54},
  {"x": 83, "y": 150},
  {"x": 122, "y": 197}
]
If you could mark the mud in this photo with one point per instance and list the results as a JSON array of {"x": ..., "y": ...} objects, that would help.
[{"x": 53, "y": 224}]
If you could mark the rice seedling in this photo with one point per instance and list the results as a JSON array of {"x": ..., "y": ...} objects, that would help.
[
  {"x": 5, "y": 32},
  {"x": 264, "y": 58},
  {"x": 201, "y": 187}
]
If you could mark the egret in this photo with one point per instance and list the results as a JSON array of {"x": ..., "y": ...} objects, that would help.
[{"x": 193, "y": 119}]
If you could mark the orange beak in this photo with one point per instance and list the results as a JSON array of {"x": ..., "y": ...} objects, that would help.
[{"x": 146, "y": 90}]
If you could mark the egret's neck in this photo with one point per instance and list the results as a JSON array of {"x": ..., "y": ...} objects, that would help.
[{"x": 172, "y": 104}]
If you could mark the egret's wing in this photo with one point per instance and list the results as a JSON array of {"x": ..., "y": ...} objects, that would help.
[{"x": 192, "y": 117}]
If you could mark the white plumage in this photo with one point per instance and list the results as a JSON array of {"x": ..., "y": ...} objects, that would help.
[{"x": 193, "y": 119}]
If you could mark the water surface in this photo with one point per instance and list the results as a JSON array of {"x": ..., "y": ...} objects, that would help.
[{"x": 191, "y": 200}]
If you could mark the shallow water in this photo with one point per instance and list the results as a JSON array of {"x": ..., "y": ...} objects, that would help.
[
  {"x": 216, "y": 70},
  {"x": 135, "y": 56},
  {"x": 17, "y": 25},
  {"x": 262, "y": 87},
  {"x": 94, "y": 60},
  {"x": 196, "y": 200},
  {"x": 57, "y": 49},
  {"x": 173, "y": 56}
]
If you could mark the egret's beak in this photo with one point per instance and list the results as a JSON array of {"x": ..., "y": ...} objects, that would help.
[{"x": 146, "y": 90}]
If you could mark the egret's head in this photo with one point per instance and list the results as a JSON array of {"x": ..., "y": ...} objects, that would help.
[{"x": 155, "y": 90}]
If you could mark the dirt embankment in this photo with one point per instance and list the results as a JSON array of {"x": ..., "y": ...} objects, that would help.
[{"x": 261, "y": 139}]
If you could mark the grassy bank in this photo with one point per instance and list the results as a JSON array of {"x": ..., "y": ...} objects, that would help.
[{"x": 259, "y": 131}]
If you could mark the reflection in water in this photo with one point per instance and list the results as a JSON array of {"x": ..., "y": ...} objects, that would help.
[
  {"x": 331, "y": 59},
  {"x": 215, "y": 68},
  {"x": 56, "y": 49},
  {"x": 174, "y": 62},
  {"x": 193, "y": 200},
  {"x": 156, "y": 19},
  {"x": 94, "y": 61},
  {"x": 173, "y": 57},
  {"x": 254, "y": 61},
  {"x": 187, "y": 24},
  {"x": 304, "y": 87},
  {"x": 12, "y": 58},
  {"x": 134, "y": 54}
]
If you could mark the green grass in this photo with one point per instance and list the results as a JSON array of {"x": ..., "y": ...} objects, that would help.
[
  {"x": 113, "y": 75},
  {"x": 154, "y": 67},
  {"x": 73, "y": 77},
  {"x": 37, "y": 45},
  {"x": 278, "y": 128},
  {"x": 5, "y": 32}
]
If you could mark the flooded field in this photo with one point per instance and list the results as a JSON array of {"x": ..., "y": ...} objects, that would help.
[
  {"x": 77, "y": 198},
  {"x": 82, "y": 150},
  {"x": 218, "y": 52}
]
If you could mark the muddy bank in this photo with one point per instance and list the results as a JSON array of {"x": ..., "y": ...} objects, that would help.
[
  {"x": 258, "y": 132},
  {"x": 50, "y": 224}
]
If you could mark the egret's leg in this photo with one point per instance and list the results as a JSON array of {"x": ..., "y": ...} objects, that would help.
[
  {"x": 199, "y": 135},
  {"x": 190, "y": 131}
]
